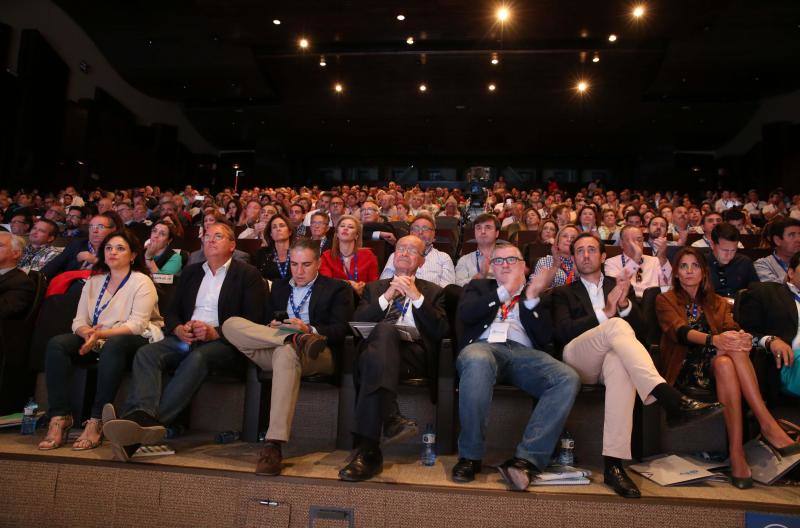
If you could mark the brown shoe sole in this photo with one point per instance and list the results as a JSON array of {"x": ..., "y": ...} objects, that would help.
[{"x": 127, "y": 432}]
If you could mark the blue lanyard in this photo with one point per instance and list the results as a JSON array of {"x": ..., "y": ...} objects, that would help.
[
  {"x": 354, "y": 278},
  {"x": 283, "y": 267},
  {"x": 296, "y": 309},
  {"x": 91, "y": 248},
  {"x": 402, "y": 308},
  {"x": 478, "y": 259},
  {"x": 708, "y": 242},
  {"x": 322, "y": 243},
  {"x": 99, "y": 309},
  {"x": 783, "y": 266}
]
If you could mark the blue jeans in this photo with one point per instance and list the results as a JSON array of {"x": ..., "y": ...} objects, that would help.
[
  {"x": 191, "y": 368},
  {"x": 114, "y": 358},
  {"x": 482, "y": 364}
]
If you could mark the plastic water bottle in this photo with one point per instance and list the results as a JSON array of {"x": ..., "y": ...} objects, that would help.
[
  {"x": 226, "y": 437},
  {"x": 566, "y": 449},
  {"x": 428, "y": 456},
  {"x": 29, "y": 417}
]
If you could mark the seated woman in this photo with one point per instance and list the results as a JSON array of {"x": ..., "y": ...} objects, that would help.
[
  {"x": 548, "y": 230},
  {"x": 159, "y": 255},
  {"x": 346, "y": 259},
  {"x": 117, "y": 314},
  {"x": 567, "y": 272},
  {"x": 587, "y": 219},
  {"x": 532, "y": 220},
  {"x": 272, "y": 260},
  {"x": 703, "y": 349}
]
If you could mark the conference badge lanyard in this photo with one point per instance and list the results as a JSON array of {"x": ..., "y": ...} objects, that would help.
[
  {"x": 283, "y": 267},
  {"x": 354, "y": 277},
  {"x": 297, "y": 308},
  {"x": 499, "y": 329},
  {"x": 98, "y": 309},
  {"x": 784, "y": 266}
]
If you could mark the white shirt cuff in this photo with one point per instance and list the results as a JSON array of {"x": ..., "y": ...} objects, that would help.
[
  {"x": 383, "y": 302},
  {"x": 626, "y": 311},
  {"x": 530, "y": 304},
  {"x": 763, "y": 342},
  {"x": 376, "y": 235},
  {"x": 601, "y": 316}
]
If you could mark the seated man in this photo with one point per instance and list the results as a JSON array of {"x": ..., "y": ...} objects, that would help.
[
  {"x": 769, "y": 311},
  {"x": 710, "y": 221},
  {"x": 438, "y": 267},
  {"x": 206, "y": 295},
  {"x": 318, "y": 310},
  {"x": 505, "y": 328},
  {"x": 375, "y": 227},
  {"x": 16, "y": 289},
  {"x": 81, "y": 254},
  {"x": 76, "y": 226},
  {"x": 40, "y": 249},
  {"x": 729, "y": 271},
  {"x": 475, "y": 265},
  {"x": 595, "y": 318},
  {"x": 386, "y": 357},
  {"x": 645, "y": 271},
  {"x": 784, "y": 237}
]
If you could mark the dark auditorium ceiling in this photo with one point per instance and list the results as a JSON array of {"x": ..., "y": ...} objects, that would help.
[{"x": 687, "y": 75}]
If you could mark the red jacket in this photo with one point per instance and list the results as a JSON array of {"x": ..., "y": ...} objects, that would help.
[{"x": 367, "y": 266}]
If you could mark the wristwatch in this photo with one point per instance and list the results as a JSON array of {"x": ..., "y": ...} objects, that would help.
[{"x": 768, "y": 343}]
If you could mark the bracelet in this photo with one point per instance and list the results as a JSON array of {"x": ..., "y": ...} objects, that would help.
[
  {"x": 709, "y": 340},
  {"x": 768, "y": 343}
]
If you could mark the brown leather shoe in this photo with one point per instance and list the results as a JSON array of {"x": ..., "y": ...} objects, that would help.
[
  {"x": 269, "y": 460},
  {"x": 310, "y": 345}
]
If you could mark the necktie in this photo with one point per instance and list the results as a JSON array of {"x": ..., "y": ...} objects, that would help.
[{"x": 395, "y": 311}]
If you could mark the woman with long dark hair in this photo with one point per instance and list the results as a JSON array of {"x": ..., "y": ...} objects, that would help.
[
  {"x": 704, "y": 350},
  {"x": 117, "y": 313},
  {"x": 272, "y": 260}
]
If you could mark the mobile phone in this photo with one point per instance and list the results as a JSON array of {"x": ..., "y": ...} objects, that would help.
[{"x": 280, "y": 315}]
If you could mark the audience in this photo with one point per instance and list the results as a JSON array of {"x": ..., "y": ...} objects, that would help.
[
  {"x": 40, "y": 249},
  {"x": 561, "y": 259},
  {"x": 475, "y": 265},
  {"x": 160, "y": 257},
  {"x": 644, "y": 271},
  {"x": 438, "y": 266},
  {"x": 784, "y": 239},
  {"x": 16, "y": 289},
  {"x": 728, "y": 271},
  {"x": 347, "y": 260},
  {"x": 273, "y": 259},
  {"x": 82, "y": 254}
]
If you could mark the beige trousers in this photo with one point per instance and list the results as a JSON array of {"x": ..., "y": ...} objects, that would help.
[
  {"x": 264, "y": 346},
  {"x": 611, "y": 354}
]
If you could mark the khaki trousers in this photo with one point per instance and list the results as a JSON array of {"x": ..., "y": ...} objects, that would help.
[
  {"x": 611, "y": 354},
  {"x": 264, "y": 346}
]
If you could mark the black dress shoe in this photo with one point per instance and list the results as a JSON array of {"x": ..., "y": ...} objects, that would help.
[
  {"x": 364, "y": 466},
  {"x": 690, "y": 408},
  {"x": 465, "y": 469},
  {"x": 398, "y": 428},
  {"x": 518, "y": 473},
  {"x": 616, "y": 478}
]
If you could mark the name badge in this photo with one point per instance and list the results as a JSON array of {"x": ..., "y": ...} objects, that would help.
[
  {"x": 163, "y": 278},
  {"x": 498, "y": 332}
]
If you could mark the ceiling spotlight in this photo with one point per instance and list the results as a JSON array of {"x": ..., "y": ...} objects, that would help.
[
  {"x": 638, "y": 11},
  {"x": 582, "y": 87},
  {"x": 423, "y": 87},
  {"x": 338, "y": 88},
  {"x": 492, "y": 87},
  {"x": 322, "y": 61},
  {"x": 612, "y": 38},
  {"x": 502, "y": 14},
  {"x": 410, "y": 41},
  {"x": 596, "y": 57},
  {"x": 303, "y": 43},
  {"x": 276, "y": 21},
  {"x": 401, "y": 17},
  {"x": 495, "y": 59}
]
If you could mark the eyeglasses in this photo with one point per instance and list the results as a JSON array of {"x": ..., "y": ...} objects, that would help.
[
  {"x": 98, "y": 227},
  {"x": 407, "y": 250},
  {"x": 218, "y": 237},
  {"x": 319, "y": 223},
  {"x": 421, "y": 229},
  {"x": 498, "y": 261}
]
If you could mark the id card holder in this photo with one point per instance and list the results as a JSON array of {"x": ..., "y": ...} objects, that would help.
[{"x": 498, "y": 332}]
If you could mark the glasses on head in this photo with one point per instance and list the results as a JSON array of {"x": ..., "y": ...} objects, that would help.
[
  {"x": 498, "y": 261},
  {"x": 407, "y": 250},
  {"x": 216, "y": 237},
  {"x": 98, "y": 227},
  {"x": 421, "y": 229}
]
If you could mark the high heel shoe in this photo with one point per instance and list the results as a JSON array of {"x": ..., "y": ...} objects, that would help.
[
  {"x": 57, "y": 433},
  {"x": 779, "y": 452},
  {"x": 84, "y": 443}
]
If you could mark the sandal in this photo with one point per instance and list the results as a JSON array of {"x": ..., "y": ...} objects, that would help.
[
  {"x": 57, "y": 433},
  {"x": 84, "y": 443}
]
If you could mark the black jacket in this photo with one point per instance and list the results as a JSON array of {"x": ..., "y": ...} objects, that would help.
[
  {"x": 739, "y": 274},
  {"x": 17, "y": 291},
  {"x": 242, "y": 294},
  {"x": 574, "y": 315},
  {"x": 330, "y": 306},
  {"x": 478, "y": 308},
  {"x": 67, "y": 259},
  {"x": 430, "y": 318}
]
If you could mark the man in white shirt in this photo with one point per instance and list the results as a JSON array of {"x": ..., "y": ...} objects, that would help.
[
  {"x": 323, "y": 203},
  {"x": 438, "y": 267},
  {"x": 475, "y": 264},
  {"x": 710, "y": 221},
  {"x": 517, "y": 215},
  {"x": 643, "y": 270},
  {"x": 753, "y": 205},
  {"x": 785, "y": 241}
]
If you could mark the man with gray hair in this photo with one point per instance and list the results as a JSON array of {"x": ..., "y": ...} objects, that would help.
[{"x": 16, "y": 288}]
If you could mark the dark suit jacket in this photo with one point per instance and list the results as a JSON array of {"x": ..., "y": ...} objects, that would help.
[
  {"x": 478, "y": 308},
  {"x": 17, "y": 292},
  {"x": 330, "y": 307},
  {"x": 739, "y": 274},
  {"x": 430, "y": 318},
  {"x": 66, "y": 260},
  {"x": 370, "y": 227},
  {"x": 574, "y": 315},
  {"x": 242, "y": 294}
]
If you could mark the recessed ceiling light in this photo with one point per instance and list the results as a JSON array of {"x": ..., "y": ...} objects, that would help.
[
  {"x": 495, "y": 59},
  {"x": 612, "y": 38},
  {"x": 276, "y": 21},
  {"x": 492, "y": 87},
  {"x": 410, "y": 41},
  {"x": 322, "y": 61},
  {"x": 338, "y": 88},
  {"x": 638, "y": 11},
  {"x": 303, "y": 43},
  {"x": 401, "y": 17},
  {"x": 503, "y": 14},
  {"x": 582, "y": 86},
  {"x": 596, "y": 57},
  {"x": 423, "y": 87}
]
